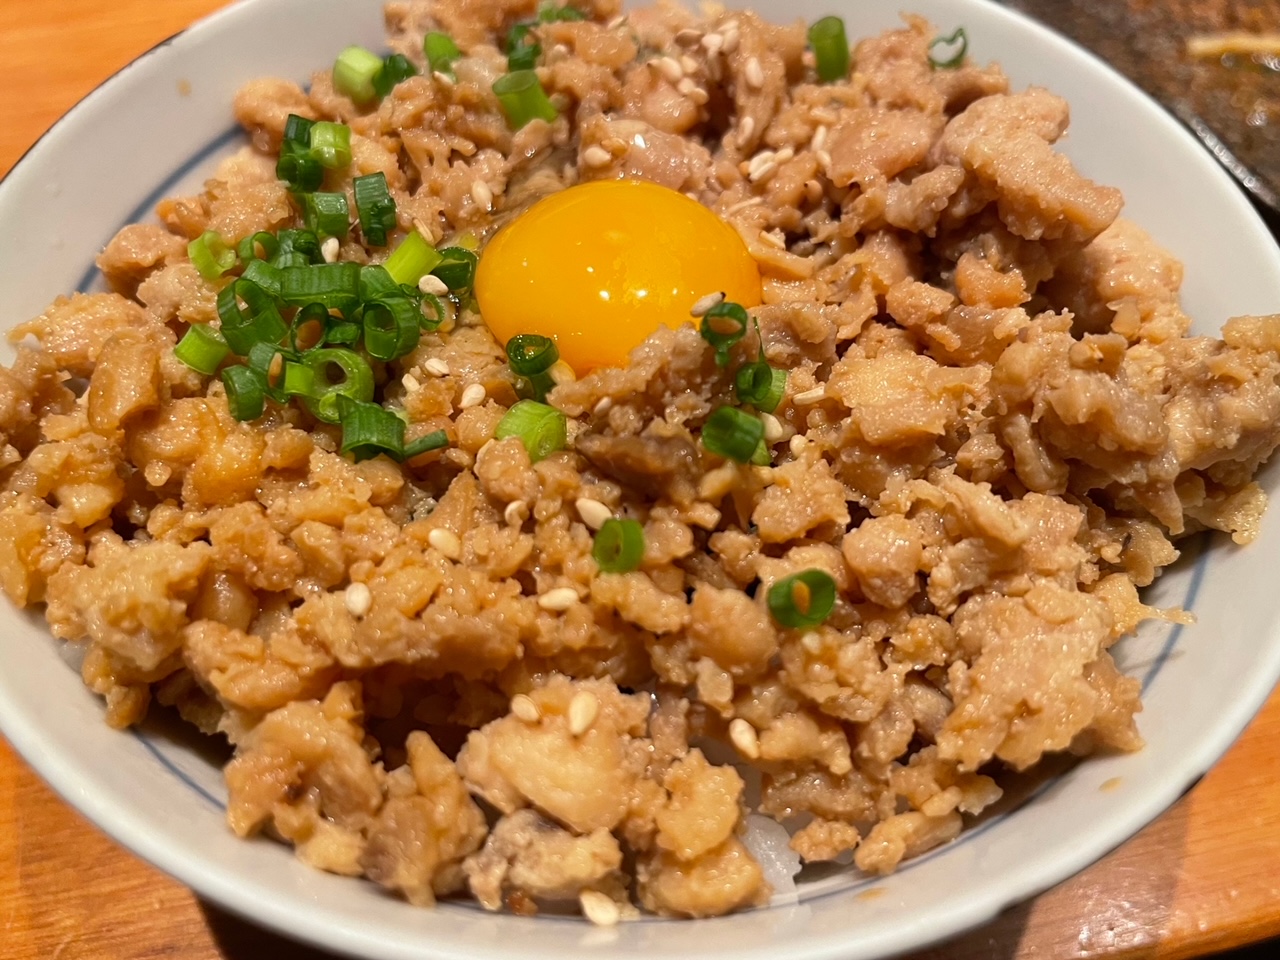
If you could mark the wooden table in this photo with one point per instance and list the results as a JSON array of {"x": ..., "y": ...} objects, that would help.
[{"x": 1204, "y": 877}]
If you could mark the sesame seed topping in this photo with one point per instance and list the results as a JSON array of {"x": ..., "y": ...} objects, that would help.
[
  {"x": 712, "y": 43},
  {"x": 688, "y": 37},
  {"x": 516, "y": 513},
  {"x": 823, "y": 158},
  {"x": 797, "y": 444},
  {"x": 762, "y": 171},
  {"x": 599, "y": 908},
  {"x": 603, "y": 406},
  {"x": 358, "y": 599},
  {"x": 744, "y": 737},
  {"x": 525, "y": 709},
  {"x": 686, "y": 86},
  {"x": 472, "y": 396},
  {"x": 753, "y": 73},
  {"x": 558, "y": 599},
  {"x": 746, "y": 127},
  {"x": 731, "y": 36},
  {"x": 433, "y": 285},
  {"x": 446, "y": 541},
  {"x": 704, "y": 304},
  {"x": 410, "y": 383},
  {"x": 596, "y": 156},
  {"x": 772, "y": 427},
  {"x": 688, "y": 64},
  {"x": 583, "y": 710},
  {"x": 593, "y": 512},
  {"x": 436, "y": 367},
  {"x": 442, "y": 77},
  {"x": 819, "y": 139},
  {"x": 810, "y": 396},
  {"x": 329, "y": 249},
  {"x": 669, "y": 67},
  {"x": 482, "y": 195}
]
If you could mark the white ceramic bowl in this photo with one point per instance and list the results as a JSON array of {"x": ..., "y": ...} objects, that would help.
[{"x": 159, "y": 126}]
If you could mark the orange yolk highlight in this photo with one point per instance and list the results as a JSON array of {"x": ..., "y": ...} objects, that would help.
[{"x": 600, "y": 266}]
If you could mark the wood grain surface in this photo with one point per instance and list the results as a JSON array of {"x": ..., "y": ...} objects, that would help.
[{"x": 1204, "y": 877}]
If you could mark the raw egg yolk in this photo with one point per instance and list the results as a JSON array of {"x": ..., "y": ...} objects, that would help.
[{"x": 600, "y": 266}]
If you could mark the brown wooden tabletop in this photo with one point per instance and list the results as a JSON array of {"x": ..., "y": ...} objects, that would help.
[{"x": 1204, "y": 877}]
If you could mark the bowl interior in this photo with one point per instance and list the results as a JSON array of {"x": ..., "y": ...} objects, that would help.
[{"x": 158, "y": 129}]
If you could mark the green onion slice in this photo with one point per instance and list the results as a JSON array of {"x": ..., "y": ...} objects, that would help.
[
  {"x": 249, "y": 246},
  {"x": 326, "y": 213},
  {"x": 344, "y": 332},
  {"x": 211, "y": 256},
  {"x": 959, "y": 36},
  {"x": 761, "y": 385},
  {"x": 299, "y": 380},
  {"x": 438, "y": 312},
  {"x": 412, "y": 260},
  {"x": 297, "y": 130},
  {"x": 391, "y": 327},
  {"x": 331, "y": 144},
  {"x": 338, "y": 373},
  {"x": 395, "y": 70},
  {"x": 830, "y": 49},
  {"x": 531, "y": 353},
  {"x": 301, "y": 242},
  {"x": 441, "y": 52},
  {"x": 523, "y": 48},
  {"x": 732, "y": 433},
  {"x": 802, "y": 600},
  {"x": 457, "y": 268},
  {"x": 310, "y": 327},
  {"x": 375, "y": 208},
  {"x": 618, "y": 546},
  {"x": 353, "y": 74},
  {"x": 723, "y": 326},
  {"x": 425, "y": 443},
  {"x": 550, "y": 13},
  {"x": 259, "y": 322},
  {"x": 202, "y": 349},
  {"x": 523, "y": 98},
  {"x": 246, "y": 392},
  {"x": 368, "y": 429},
  {"x": 376, "y": 282},
  {"x": 336, "y": 285},
  {"x": 300, "y": 171},
  {"x": 542, "y": 429},
  {"x": 264, "y": 275}
]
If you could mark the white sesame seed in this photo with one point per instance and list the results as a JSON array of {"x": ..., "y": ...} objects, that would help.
[
  {"x": 744, "y": 737},
  {"x": 433, "y": 285},
  {"x": 472, "y": 396},
  {"x": 669, "y": 67},
  {"x": 762, "y": 171},
  {"x": 811, "y": 642},
  {"x": 698, "y": 96},
  {"x": 436, "y": 367},
  {"x": 753, "y": 73},
  {"x": 516, "y": 513},
  {"x": 442, "y": 77},
  {"x": 482, "y": 195},
  {"x": 561, "y": 372},
  {"x": 616, "y": 22},
  {"x": 746, "y": 127},
  {"x": 596, "y": 156},
  {"x": 593, "y": 512},
  {"x": 446, "y": 541},
  {"x": 824, "y": 115},
  {"x": 810, "y": 396},
  {"x": 599, "y": 908},
  {"x": 410, "y": 383},
  {"x": 819, "y": 139},
  {"x": 731, "y": 37},
  {"x": 772, "y": 427},
  {"x": 688, "y": 37},
  {"x": 329, "y": 249},
  {"x": 558, "y": 599},
  {"x": 686, "y": 86},
  {"x": 583, "y": 710},
  {"x": 797, "y": 444},
  {"x": 525, "y": 709},
  {"x": 688, "y": 64},
  {"x": 603, "y": 406},
  {"x": 783, "y": 155},
  {"x": 703, "y": 304},
  {"x": 823, "y": 158},
  {"x": 712, "y": 43},
  {"x": 358, "y": 599}
]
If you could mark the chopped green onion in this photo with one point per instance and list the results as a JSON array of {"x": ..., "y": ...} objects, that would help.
[
  {"x": 375, "y": 208},
  {"x": 391, "y": 327},
  {"x": 438, "y": 312},
  {"x": 619, "y": 546},
  {"x": 298, "y": 130},
  {"x": 830, "y": 49},
  {"x": 298, "y": 380},
  {"x": 310, "y": 327},
  {"x": 331, "y": 144},
  {"x": 762, "y": 457},
  {"x": 457, "y": 268},
  {"x": 246, "y": 392},
  {"x": 732, "y": 433},
  {"x": 425, "y": 443},
  {"x": 376, "y": 283},
  {"x": 960, "y": 37},
  {"x": 336, "y": 285},
  {"x": 244, "y": 328},
  {"x": 542, "y": 429},
  {"x": 353, "y": 74},
  {"x": 802, "y": 600},
  {"x": 412, "y": 260},
  {"x": 531, "y": 357},
  {"x": 326, "y": 213},
  {"x": 210, "y": 255},
  {"x": 248, "y": 248},
  {"x": 264, "y": 275},
  {"x": 343, "y": 332},
  {"x": 368, "y": 429},
  {"x": 338, "y": 373},
  {"x": 550, "y": 13},
  {"x": 761, "y": 385},
  {"x": 395, "y": 70},
  {"x": 202, "y": 349},
  {"x": 300, "y": 171},
  {"x": 523, "y": 48},
  {"x": 523, "y": 98},
  {"x": 262, "y": 355},
  {"x": 723, "y": 326},
  {"x": 303, "y": 242},
  {"x": 441, "y": 52}
]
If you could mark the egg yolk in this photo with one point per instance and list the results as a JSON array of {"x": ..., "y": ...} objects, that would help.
[{"x": 600, "y": 266}]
